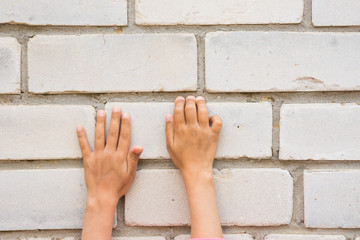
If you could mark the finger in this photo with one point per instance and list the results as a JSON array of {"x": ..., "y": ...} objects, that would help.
[
  {"x": 179, "y": 115},
  {"x": 114, "y": 127},
  {"x": 100, "y": 131},
  {"x": 124, "y": 141},
  {"x": 133, "y": 159},
  {"x": 169, "y": 131},
  {"x": 84, "y": 145},
  {"x": 202, "y": 112},
  {"x": 216, "y": 124},
  {"x": 190, "y": 111}
]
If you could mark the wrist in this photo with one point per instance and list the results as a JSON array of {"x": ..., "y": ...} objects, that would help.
[
  {"x": 101, "y": 203},
  {"x": 199, "y": 178}
]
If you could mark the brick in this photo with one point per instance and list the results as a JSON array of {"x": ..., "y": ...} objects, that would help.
[
  {"x": 331, "y": 199},
  {"x": 112, "y": 63},
  {"x": 203, "y": 12},
  {"x": 336, "y": 12},
  {"x": 247, "y": 128},
  {"x": 320, "y": 132},
  {"x": 68, "y": 12},
  {"x": 246, "y": 197},
  {"x": 10, "y": 54},
  {"x": 282, "y": 61},
  {"x": 226, "y": 237},
  {"x": 138, "y": 238},
  {"x": 43, "y": 132},
  {"x": 67, "y": 238},
  {"x": 42, "y": 199},
  {"x": 303, "y": 237}
]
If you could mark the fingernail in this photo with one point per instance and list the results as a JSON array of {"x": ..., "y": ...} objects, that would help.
[
  {"x": 138, "y": 150},
  {"x": 125, "y": 115},
  {"x": 168, "y": 118},
  {"x": 180, "y": 98},
  {"x": 79, "y": 128},
  {"x": 116, "y": 109},
  {"x": 199, "y": 98},
  {"x": 101, "y": 113},
  {"x": 190, "y": 98}
]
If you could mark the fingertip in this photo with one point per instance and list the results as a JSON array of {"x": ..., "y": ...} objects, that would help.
[
  {"x": 101, "y": 113},
  {"x": 190, "y": 98},
  {"x": 116, "y": 109},
  {"x": 200, "y": 98},
  {"x": 169, "y": 117},
  {"x": 125, "y": 115},
  {"x": 138, "y": 150},
  {"x": 79, "y": 128},
  {"x": 180, "y": 98}
]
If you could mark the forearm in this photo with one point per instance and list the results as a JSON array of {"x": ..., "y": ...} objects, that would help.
[
  {"x": 205, "y": 222},
  {"x": 98, "y": 219}
]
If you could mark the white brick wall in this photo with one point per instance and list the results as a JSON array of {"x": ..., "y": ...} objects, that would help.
[
  {"x": 247, "y": 128},
  {"x": 204, "y": 12},
  {"x": 138, "y": 238},
  {"x": 66, "y": 12},
  {"x": 320, "y": 132},
  {"x": 43, "y": 132},
  {"x": 246, "y": 197},
  {"x": 282, "y": 61},
  {"x": 226, "y": 237},
  {"x": 303, "y": 237},
  {"x": 42, "y": 199},
  {"x": 10, "y": 51},
  {"x": 112, "y": 63},
  {"x": 331, "y": 199},
  {"x": 336, "y": 12}
]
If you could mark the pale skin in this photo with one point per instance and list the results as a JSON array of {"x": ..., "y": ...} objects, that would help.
[{"x": 191, "y": 139}]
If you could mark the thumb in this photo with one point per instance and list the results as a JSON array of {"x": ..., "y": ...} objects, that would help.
[{"x": 133, "y": 159}]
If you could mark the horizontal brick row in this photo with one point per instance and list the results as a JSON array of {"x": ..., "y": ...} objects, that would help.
[
  {"x": 226, "y": 237},
  {"x": 10, "y": 53},
  {"x": 336, "y": 12},
  {"x": 42, "y": 199},
  {"x": 320, "y": 132},
  {"x": 112, "y": 63},
  {"x": 43, "y": 132},
  {"x": 247, "y": 128},
  {"x": 304, "y": 237},
  {"x": 68, "y": 12},
  {"x": 282, "y": 61},
  {"x": 331, "y": 199},
  {"x": 203, "y": 12},
  {"x": 245, "y": 197}
]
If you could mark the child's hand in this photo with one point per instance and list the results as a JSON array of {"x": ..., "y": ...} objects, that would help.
[
  {"x": 190, "y": 139},
  {"x": 192, "y": 143},
  {"x": 109, "y": 172}
]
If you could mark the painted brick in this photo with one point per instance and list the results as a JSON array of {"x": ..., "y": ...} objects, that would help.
[
  {"x": 282, "y": 61},
  {"x": 112, "y": 63},
  {"x": 138, "y": 238},
  {"x": 203, "y": 12},
  {"x": 331, "y": 199},
  {"x": 10, "y": 54},
  {"x": 68, "y": 12},
  {"x": 67, "y": 238},
  {"x": 247, "y": 128},
  {"x": 43, "y": 132},
  {"x": 226, "y": 237},
  {"x": 42, "y": 199},
  {"x": 303, "y": 237},
  {"x": 246, "y": 197},
  {"x": 320, "y": 132},
  {"x": 336, "y": 12}
]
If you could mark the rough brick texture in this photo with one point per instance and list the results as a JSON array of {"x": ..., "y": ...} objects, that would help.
[
  {"x": 226, "y": 237},
  {"x": 43, "y": 132},
  {"x": 247, "y": 128},
  {"x": 320, "y": 132},
  {"x": 282, "y": 61},
  {"x": 246, "y": 197},
  {"x": 336, "y": 12},
  {"x": 138, "y": 238},
  {"x": 66, "y": 12},
  {"x": 9, "y": 66},
  {"x": 331, "y": 199},
  {"x": 204, "y": 12},
  {"x": 112, "y": 63},
  {"x": 303, "y": 237},
  {"x": 42, "y": 199}
]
